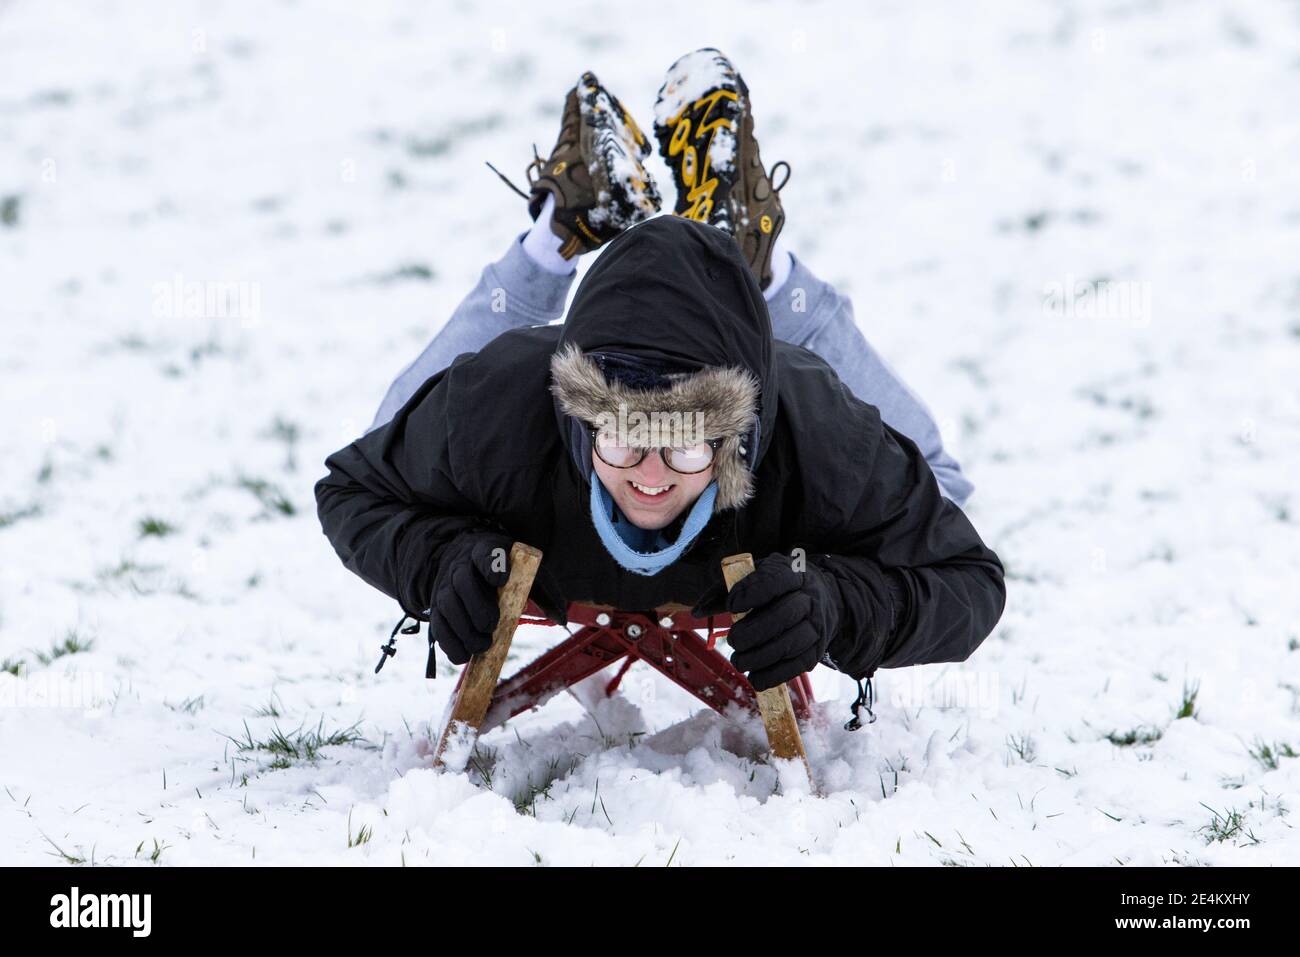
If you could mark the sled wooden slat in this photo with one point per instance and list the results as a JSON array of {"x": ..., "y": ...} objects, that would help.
[
  {"x": 473, "y": 695},
  {"x": 783, "y": 736}
]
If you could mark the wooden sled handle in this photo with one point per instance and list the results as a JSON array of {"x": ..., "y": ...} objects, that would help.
[
  {"x": 470, "y": 700},
  {"x": 783, "y": 736}
]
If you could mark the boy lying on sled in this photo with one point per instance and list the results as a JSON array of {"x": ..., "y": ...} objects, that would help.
[{"x": 663, "y": 426}]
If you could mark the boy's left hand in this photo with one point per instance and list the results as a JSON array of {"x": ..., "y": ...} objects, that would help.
[{"x": 790, "y": 622}]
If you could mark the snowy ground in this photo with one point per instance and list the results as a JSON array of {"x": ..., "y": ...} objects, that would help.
[{"x": 955, "y": 168}]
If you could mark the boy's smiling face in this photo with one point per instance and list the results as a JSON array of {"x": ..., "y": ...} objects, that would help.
[{"x": 671, "y": 493}]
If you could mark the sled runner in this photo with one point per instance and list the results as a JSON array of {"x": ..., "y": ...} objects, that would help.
[
  {"x": 773, "y": 703},
  {"x": 665, "y": 638},
  {"x": 469, "y": 701}
]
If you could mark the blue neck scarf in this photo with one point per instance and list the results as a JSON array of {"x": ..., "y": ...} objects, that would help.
[{"x": 646, "y": 551}]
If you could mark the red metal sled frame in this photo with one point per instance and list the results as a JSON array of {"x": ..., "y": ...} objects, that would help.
[{"x": 665, "y": 639}]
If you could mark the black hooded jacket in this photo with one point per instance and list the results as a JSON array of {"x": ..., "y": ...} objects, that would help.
[{"x": 482, "y": 444}]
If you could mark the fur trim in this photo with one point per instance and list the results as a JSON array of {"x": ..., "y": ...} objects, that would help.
[{"x": 713, "y": 403}]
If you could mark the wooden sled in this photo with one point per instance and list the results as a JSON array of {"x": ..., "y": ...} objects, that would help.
[{"x": 664, "y": 638}]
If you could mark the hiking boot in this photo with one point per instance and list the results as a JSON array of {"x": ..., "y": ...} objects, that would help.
[
  {"x": 705, "y": 129},
  {"x": 595, "y": 171}
]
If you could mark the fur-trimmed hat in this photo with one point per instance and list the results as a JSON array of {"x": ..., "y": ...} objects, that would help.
[{"x": 674, "y": 405}]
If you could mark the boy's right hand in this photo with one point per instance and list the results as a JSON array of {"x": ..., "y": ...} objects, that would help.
[{"x": 464, "y": 609}]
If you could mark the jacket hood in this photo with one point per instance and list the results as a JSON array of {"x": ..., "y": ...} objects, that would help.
[{"x": 671, "y": 320}]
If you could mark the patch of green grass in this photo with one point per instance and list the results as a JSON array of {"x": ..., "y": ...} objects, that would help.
[
  {"x": 1187, "y": 709},
  {"x": 189, "y": 705},
  {"x": 72, "y": 644},
  {"x": 270, "y": 709},
  {"x": 156, "y": 527},
  {"x": 1144, "y": 734},
  {"x": 526, "y": 801},
  {"x": 132, "y": 342},
  {"x": 12, "y": 665},
  {"x": 481, "y": 762},
  {"x": 282, "y": 430},
  {"x": 17, "y": 515},
  {"x": 74, "y": 859},
  {"x": 141, "y": 579},
  {"x": 406, "y": 272},
  {"x": 9, "y": 210},
  {"x": 272, "y": 498},
  {"x": 296, "y": 745},
  {"x": 363, "y": 836},
  {"x": 1023, "y": 747},
  {"x": 1228, "y": 826},
  {"x": 155, "y": 853},
  {"x": 209, "y": 347},
  {"x": 1278, "y": 808},
  {"x": 1269, "y": 755},
  {"x": 425, "y": 148},
  {"x": 126, "y": 568}
]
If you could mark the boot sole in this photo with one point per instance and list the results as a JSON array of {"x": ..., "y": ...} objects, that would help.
[
  {"x": 698, "y": 116},
  {"x": 613, "y": 147}
]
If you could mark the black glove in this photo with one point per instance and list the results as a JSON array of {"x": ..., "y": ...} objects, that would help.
[
  {"x": 792, "y": 619},
  {"x": 464, "y": 609}
]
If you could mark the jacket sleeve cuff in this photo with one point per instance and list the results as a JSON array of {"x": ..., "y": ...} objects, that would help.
[{"x": 873, "y": 606}]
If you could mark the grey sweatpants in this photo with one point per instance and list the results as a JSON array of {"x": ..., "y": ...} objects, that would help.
[{"x": 515, "y": 292}]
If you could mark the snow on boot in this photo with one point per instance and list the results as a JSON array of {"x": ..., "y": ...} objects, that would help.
[
  {"x": 705, "y": 128},
  {"x": 595, "y": 171}
]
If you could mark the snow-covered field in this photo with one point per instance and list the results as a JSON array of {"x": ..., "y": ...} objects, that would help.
[{"x": 1073, "y": 227}]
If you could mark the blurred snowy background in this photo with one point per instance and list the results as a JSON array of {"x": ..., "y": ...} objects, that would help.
[{"x": 1073, "y": 227}]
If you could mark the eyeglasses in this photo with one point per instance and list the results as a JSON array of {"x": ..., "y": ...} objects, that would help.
[{"x": 688, "y": 460}]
